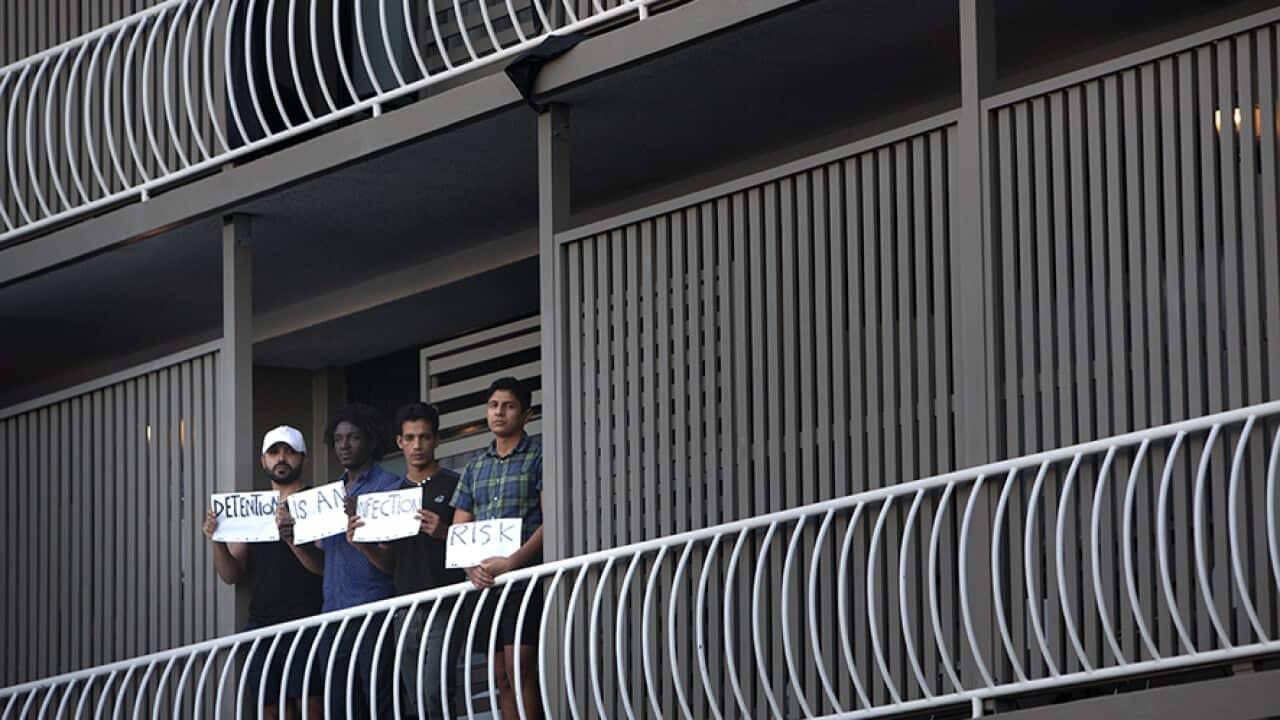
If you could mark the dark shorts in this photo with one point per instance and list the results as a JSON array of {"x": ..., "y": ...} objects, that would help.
[
  {"x": 509, "y": 617},
  {"x": 297, "y": 668}
]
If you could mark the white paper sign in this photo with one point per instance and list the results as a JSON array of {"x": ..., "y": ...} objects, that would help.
[
  {"x": 388, "y": 515},
  {"x": 469, "y": 543},
  {"x": 246, "y": 516},
  {"x": 318, "y": 512}
]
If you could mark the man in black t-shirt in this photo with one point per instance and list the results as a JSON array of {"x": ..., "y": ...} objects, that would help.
[
  {"x": 416, "y": 563},
  {"x": 280, "y": 588}
]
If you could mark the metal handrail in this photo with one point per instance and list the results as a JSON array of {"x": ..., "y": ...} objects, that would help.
[
  {"x": 977, "y": 659},
  {"x": 186, "y": 86}
]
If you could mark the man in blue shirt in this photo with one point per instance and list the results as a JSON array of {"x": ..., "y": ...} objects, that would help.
[{"x": 359, "y": 438}]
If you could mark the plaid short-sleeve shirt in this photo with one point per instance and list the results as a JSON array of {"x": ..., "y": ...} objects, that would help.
[{"x": 494, "y": 487}]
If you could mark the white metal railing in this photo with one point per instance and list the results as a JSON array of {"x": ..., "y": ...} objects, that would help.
[
  {"x": 1147, "y": 552},
  {"x": 179, "y": 89}
]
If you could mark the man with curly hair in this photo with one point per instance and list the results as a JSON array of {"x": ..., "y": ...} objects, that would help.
[{"x": 359, "y": 438}]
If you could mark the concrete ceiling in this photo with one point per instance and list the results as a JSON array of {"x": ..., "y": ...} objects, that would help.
[{"x": 780, "y": 82}]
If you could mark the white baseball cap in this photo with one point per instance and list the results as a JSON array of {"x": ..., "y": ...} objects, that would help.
[{"x": 284, "y": 434}]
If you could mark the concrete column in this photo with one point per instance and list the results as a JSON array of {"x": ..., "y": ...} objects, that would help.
[
  {"x": 236, "y": 453},
  {"x": 976, "y": 353},
  {"x": 553, "y": 216}
]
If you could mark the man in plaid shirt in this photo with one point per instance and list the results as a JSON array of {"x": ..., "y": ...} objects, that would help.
[{"x": 505, "y": 481}]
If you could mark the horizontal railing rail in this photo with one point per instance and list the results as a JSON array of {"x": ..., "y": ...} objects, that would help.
[
  {"x": 186, "y": 86},
  {"x": 1148, "y": 552}
]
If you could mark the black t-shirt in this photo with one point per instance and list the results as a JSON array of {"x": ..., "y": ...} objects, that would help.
[
  {"x": 419, "y": 559},
  {"x": 280, "y": 588}
]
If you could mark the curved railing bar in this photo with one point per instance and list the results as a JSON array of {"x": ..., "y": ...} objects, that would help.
[
  {"x": 244, "y": 677},
  {"x": 730, "y": 576},
  {"x": 524, "y": 609},
  {"x": 189, "y": 104},
  {"x": 168, "y": 83},
  {"x": 148, "y": 122},
  {"x": 414, "y": 45},
  {"x": 1202, "y": 571},
  {"x": 439, "y": 37},
  {"x": 85, "y": 694},
  {"x": 961, "y": 555},
  {"x": 422, "y": 656},
  {"x": 340, "y": 52},
  {"x": 386, "y": 44},
  {"x": 935, "y": 614},
  {"x": 1095, "y": 542},
  {"x": 292, "y": 40},
  {"x": 251, "y": 71},
  {"x": 379, "y": 644},
  {"x": 462, "y": 30},
  {"x": 997, "y": 581},
  {"x": 1130, "y": 575},
  {"x": 284, "y": 671},
  {"x": 272, "y": 81},
  {"x": 672, "y": 655},
  {"x": 618, "y": 652},
  {"x": 49, "y": 142},
  {"x": 212, "y": 109},
  {"x": 448, "y": 634},
  {"x": 542, "y": 645},
  {"x": 315, "y": 60},
  {"x": 10, "y": 153},
  {"x": 651, "y": 685},
  {"x": 1068, "y": 617},
  {"x": 48, "y": 698},
  {"x": 90, "y": 141},
  {"x": 106, "y": 695},
  {"x": 1162, "y": 545},
  {"x": 66, "y": 698},
  {"x": 571, "y": 690},
  {"x": 311, "y": 661},
  {"x": 793, "y": 672},
  {"x": 842, "y": 607},
  {"x": 1273, "y": 537},
  {"x": 72, "y": 163},
  {"x": 398, "y": 661},
  {"x": 164, "y": 677},
  {"x": 493, "y": 641},
  {"x": 815, "y": 642},
  {"x": 363, "y": 45},
  {"x": 515, "y": 21},
  {"x": 766, "y": 683},
  {"x": 1033, "y": 593},
  {"x": 904, "y": 613},
  {"x": 470, "y": 644},
  {"x": 28, "y": 133},
  {"x": 593, "y": 638},
  {"x": 488, "y": 26},
  {"x": 700, "y": 631},
  {"x": 873, "y": 618},
  {"x": 1233, "y": 527}
]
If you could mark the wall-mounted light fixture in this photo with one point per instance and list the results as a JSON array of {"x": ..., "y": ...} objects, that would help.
[{"x": 1237, "y": 119}]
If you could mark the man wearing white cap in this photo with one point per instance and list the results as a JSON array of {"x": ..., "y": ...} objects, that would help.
[{"x": 280, "y": 587}]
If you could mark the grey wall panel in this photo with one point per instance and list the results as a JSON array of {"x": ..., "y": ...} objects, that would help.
[
  {"x": 742, "y": 315},
  {"x": 778, "y": 344},
  {"x": 1134, "y": 235},
  {"x": 104, "y": 556}
]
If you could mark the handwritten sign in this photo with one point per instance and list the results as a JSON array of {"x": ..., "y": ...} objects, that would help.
[
  {"x": 388, "y": 515},
  {"x": 318, "y": 512},
  {"x": 246, "y": 516},
  {"x": 469, "y": 543}
]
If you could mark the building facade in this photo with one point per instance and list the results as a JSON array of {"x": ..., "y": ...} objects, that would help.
[{"x": 756, "y": 255}]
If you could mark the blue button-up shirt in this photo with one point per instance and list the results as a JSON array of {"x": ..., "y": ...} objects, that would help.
[{"x": 349, "y": 578}]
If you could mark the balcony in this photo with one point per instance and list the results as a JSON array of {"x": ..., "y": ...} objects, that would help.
[{"x": 973, "y": 590}]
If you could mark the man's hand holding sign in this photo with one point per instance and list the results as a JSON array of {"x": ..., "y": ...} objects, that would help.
[{"x": 483, "y": 549}]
